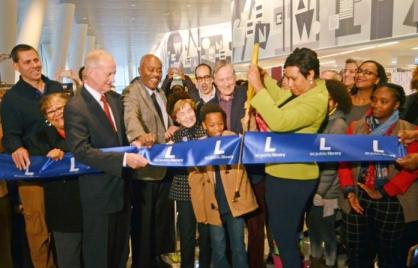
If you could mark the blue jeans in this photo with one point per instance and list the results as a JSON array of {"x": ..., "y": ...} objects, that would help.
[{"x": 235, "y": 230}]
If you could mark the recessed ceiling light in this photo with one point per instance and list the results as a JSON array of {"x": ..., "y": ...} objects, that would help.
[
  {"x": 188, "y": 5},
  {"x": 414, "y": 48},
  {"x": 133, "y": 5},
  {"x": 84, "y": 18}
]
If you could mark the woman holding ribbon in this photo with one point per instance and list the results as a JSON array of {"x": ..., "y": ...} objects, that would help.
[
  {"x": 301, "y": 109},
  {"x": 62, "y": 196},
  {"x": 380, "y": 197}
]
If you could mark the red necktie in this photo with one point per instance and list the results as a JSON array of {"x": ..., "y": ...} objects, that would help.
[{"x": 106, "y": 110}]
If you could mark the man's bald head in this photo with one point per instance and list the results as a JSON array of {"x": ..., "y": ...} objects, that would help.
[
  {"x": 95, "y": 57},
  {"x": 100, "y": 70},
  {"x": 150, "y": 71}
]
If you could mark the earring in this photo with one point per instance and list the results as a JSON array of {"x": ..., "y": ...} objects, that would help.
[
  {"x": 48, "y": 123},
  {"x": 310, "y": 82}
]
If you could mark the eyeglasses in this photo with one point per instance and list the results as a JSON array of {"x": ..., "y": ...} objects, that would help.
[
  {"x": 55, "y": 111},
  {"x": 365, "y": 72},
  {"x": 201, "y": 78}
]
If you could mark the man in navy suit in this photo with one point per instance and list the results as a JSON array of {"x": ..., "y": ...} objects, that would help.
[{"x": 94, "y": 120}]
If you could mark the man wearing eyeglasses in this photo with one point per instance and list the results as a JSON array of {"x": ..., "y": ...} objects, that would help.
[
  {"x": 21, "y": 117},
  {"x": 204, "y": 82}
]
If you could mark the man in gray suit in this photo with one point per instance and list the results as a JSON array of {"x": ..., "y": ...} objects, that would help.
[
  {"x": 147, "y": 122},
  {"x": 94, "y": 120}
]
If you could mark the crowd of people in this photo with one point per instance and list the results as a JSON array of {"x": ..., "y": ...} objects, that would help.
[{"x": 89, "y": 219}]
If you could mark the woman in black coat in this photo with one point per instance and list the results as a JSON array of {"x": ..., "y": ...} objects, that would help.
[{"x": 62, "y": 196}]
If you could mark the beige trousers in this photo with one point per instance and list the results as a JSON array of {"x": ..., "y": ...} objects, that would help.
[{"x": 32, "y": 198}]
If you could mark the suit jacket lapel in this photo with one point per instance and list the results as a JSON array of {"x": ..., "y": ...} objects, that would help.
[
  {"x": 143, "y": 92},
  {"x": 238, "y": 104}
]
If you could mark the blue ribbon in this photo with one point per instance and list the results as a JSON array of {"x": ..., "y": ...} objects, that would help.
[
  {"x": 267, "y": 147},
  {"x": 42, "y": 167},
  {"x": 212, "y": 151},
  {"x": 258, "y": 147}
]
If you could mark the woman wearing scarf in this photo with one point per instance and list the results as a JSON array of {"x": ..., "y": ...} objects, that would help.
[{"x": 379, "y": 196}]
